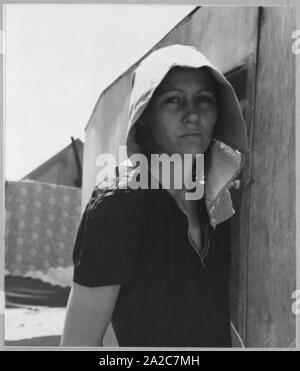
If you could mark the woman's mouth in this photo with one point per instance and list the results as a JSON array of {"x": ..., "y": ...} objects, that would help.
[{"x": 191, "y": 135}]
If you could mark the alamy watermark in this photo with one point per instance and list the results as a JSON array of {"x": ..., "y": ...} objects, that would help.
[{"x": 172, "y": 171}]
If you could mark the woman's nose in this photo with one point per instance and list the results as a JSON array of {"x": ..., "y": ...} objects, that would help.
[{"x": 191, "y": 114}]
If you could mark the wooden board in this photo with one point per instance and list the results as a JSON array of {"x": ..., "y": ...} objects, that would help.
[
  {"x": 272, "y": 250},
  {"x": 243, "y": 81}
]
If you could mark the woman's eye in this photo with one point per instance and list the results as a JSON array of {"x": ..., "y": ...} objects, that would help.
[
  {"x": 173, "y": 100},
  {"x": 205, "y": 99}
]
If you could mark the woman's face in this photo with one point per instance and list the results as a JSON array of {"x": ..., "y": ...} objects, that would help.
[{"x": 183, "y": 111}]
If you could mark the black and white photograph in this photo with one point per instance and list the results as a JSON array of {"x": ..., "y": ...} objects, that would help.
[{"x": 150, "y": 176}]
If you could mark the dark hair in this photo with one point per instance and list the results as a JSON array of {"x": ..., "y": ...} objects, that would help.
[{"x": 144, "y": 139}]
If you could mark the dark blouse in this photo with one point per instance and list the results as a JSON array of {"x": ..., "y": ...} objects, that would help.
[{"x": 139, "y": 239}]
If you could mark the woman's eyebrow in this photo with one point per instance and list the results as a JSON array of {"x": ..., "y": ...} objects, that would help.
[{"x": 161, "y": 92}]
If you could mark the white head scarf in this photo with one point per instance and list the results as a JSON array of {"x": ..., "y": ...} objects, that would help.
[{"x": 226, "y": 154}]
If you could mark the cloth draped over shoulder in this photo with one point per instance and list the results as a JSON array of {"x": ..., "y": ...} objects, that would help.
[{"x": 227, "y": 150}]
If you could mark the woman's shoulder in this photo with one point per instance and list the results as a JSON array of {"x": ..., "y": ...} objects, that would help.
[
  {"x": 112, "y": 196},
  {"x": 111, "y": 235}
]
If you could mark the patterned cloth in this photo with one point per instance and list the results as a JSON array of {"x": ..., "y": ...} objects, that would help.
[{"x": 40, "y": 228}]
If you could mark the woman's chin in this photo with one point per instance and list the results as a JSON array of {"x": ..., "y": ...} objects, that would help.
[
  {"x": 193, "y": 150},
  {"x": 194, "y": 145}
]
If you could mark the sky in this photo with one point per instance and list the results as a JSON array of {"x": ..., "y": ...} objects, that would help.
[{"x": 58, "y": 60}]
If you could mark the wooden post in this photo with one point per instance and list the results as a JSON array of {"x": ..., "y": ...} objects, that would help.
[{"x": 272, "y": 228}]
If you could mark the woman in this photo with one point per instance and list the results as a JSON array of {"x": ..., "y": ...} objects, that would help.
[{"x": 152, "y": 261}]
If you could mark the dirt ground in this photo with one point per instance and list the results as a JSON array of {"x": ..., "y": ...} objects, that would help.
[
  {"x": 36, "y": 326},
  {"x": 35, "y": 312}
]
